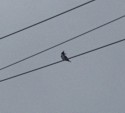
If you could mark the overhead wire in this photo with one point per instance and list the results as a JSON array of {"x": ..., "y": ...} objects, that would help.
[
  {"x": 98, "y": 48},
  {"x": 52, "y": 17},
  {"x": 91, "y": 30}
]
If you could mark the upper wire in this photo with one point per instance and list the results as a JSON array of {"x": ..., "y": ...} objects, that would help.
[{"x": 46, "y": 19}]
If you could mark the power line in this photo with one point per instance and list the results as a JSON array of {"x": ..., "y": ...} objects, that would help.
[
  {"x": 47, "y": 19},
  {"x": 62, "y": 42},
  {"x": 61, "y": 60}
]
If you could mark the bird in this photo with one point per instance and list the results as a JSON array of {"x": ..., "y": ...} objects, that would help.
[{"x": 64, "y": 57}]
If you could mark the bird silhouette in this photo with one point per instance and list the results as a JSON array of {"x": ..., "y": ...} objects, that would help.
[{"x": 64, "y": 57}]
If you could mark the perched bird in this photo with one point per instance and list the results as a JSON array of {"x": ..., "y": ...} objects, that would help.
[{"x": 64, "y": 57}]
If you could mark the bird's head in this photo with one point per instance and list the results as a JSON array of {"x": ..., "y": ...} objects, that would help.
[{"x": 63, "y": 52}]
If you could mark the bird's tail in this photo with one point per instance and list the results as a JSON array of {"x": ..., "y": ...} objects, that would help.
[{"x": 69, "y": 61}]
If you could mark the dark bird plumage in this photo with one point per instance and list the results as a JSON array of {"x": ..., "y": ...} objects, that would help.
[{"x": 64, "y": 57}]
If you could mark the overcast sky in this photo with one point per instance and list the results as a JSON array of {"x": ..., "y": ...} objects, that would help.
[{"x": 93, "y": 83}]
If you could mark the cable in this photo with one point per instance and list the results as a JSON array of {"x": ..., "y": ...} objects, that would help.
[
  {"x": 47, "y": 19},
  {"x": 62, "y": 42},
  {"x": 61, "y": 60}
]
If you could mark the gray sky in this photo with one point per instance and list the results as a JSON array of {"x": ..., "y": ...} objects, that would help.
[{"x": 93, "y": 83}]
